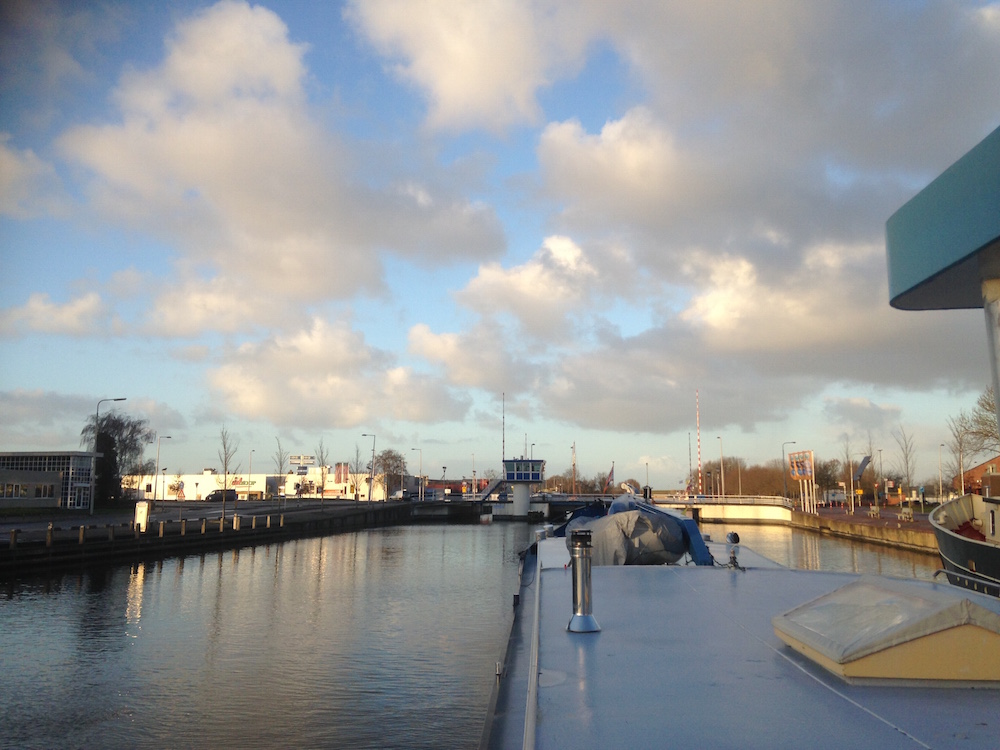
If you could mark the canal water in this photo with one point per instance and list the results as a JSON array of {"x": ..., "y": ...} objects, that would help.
[{"x": 381, "y": 638}]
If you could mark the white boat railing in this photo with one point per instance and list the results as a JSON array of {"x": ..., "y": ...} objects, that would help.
[{"x": 531, "y": 703}]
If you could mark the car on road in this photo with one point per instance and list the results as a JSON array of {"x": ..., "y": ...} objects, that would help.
[{"x": 217, "y": 496}]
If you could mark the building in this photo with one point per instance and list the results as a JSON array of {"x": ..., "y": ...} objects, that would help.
[
  {"x": 331, "y": 482},
  {"x": 43, "y": 479},
  {"x": 983, "y": 479}
]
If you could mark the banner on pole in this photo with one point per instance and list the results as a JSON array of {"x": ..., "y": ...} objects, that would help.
[{"x": 800, "y": 465}]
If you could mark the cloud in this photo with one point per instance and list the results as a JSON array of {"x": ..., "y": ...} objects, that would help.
[
  {"x": 478, "y": 357},
  {"x": 633, "y": 169},
  {"x": 861, "y": 414},
  {"x": 219, "y": 155},
  {"x": 29, "y": 186},
  {"x": 327, "y": 376},
  {"x": 47, "y": 49},
  {"x": 541, "y": 293},
  {"x": 84, "y": 315},
  {"x": 481, "y": 64}
]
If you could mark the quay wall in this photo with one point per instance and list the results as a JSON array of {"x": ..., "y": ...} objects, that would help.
[
  {"x": 900, "y": 534},
  {"x": 70, "y": 546},
  {"x": 890, "y": 532}
]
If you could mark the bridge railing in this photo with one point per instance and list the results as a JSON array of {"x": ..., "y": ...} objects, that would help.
[
  {"x": 680, "y": 500},
  {"x": 777, "y": 500}
]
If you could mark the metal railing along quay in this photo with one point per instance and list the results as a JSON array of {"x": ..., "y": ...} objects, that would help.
[{"x": 55, "y": 546}]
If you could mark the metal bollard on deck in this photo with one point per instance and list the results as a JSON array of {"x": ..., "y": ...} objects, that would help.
[{"x": 583, "y": 620}]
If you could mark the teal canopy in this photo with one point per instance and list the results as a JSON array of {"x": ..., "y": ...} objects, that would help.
[{"x": 946, "y": 239}]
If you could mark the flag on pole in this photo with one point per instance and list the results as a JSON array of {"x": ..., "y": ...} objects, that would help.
[{"x": 611, "y": 478}]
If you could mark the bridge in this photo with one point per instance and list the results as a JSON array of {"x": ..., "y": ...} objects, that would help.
[{"x": 746, "y": 508}]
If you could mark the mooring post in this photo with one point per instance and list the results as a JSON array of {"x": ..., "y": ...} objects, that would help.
[
  {"x": 48, "y": 535},
  {"x": 83, "y": 534},
  {"x": 13, "y": 538}
]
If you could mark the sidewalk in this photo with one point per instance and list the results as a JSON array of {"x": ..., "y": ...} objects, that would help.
[{"x": 887, "y": 516}]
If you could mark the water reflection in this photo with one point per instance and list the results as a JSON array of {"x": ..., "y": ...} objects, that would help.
[
  {"x": 381, "y": 638},
  {"x": 805, "y": 550}
]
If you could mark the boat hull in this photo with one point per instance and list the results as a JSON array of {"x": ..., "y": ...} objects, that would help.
[{"x": 970, "y": 563}]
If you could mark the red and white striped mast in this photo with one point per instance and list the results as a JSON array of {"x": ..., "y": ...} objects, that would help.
[{"x": 697, "y": 421}]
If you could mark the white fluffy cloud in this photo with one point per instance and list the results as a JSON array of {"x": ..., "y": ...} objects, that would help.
[
  {"x": 327, "y": 376},
  {"x": 632, "y": 170},
  {"x": 540, "y": 294},
  {"x": 219, "y": 154},
  {"x": 78, "y": 317},
  {"x": 480, "y": 63}
]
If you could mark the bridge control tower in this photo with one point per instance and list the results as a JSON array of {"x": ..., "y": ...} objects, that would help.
[{"x": 520, "y": 474}]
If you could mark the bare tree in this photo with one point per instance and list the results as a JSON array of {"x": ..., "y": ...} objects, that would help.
[
  {"x": 227, "y": 449},
  {"x": 323, "y": 459},
  {"x": 875, "y": 476},
  {"x": 280, "y": 461},
  {"x": 959, "y": 445},
  {"x": 356, "y": 466},
  {"x": 848, "y": 462},
  {"x": 390, "y": 465},
  {"x": 907, "y": 465},
  {"x": 983, "y": 433}
]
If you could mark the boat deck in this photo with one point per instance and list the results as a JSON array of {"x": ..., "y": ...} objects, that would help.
[{"x": 687, "y": 657}]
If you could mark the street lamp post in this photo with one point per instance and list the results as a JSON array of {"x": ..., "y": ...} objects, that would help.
[
  {"x": 250, "y": 474},
  {"x": 157, "y": 472},
  {"x": 93, "y": 468},
  {"x": 940, "y": 488},
  {"x": 881, "y": 471},
  {"x": 371, "y": 479},
  {"x": 784, "y": 469},
  {"x": 722, "y": 469},
  {"x": 420, "y": 479}
]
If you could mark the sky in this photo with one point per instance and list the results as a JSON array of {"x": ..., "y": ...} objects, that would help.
[{"x": 476, "y": 229}]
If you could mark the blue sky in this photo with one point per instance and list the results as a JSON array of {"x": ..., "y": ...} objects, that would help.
[{"x": 426, "y": 221}]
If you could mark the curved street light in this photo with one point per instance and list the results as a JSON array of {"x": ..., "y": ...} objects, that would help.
[
  {"x": 371, "y": 476},
  {"x": 722, "y": 469},
  {"x": 784, "y": 468},
  {"x": 420, "y": 479},
  {"x": 157, "y": 472}
]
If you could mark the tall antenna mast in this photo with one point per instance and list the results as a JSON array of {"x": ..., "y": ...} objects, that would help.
[
  {"x": 503, "y": 427},
  {"x": 574, "y": 467},
  {"x": 697, "y": 420}
]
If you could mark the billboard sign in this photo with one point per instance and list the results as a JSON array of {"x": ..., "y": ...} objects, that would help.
[{"x": 800, "y": 465}]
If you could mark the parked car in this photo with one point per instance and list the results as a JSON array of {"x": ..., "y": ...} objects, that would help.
[{"x": 216, "y": 496}]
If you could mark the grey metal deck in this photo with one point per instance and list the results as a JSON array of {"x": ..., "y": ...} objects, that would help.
[{"x": 687, "y": 657}]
